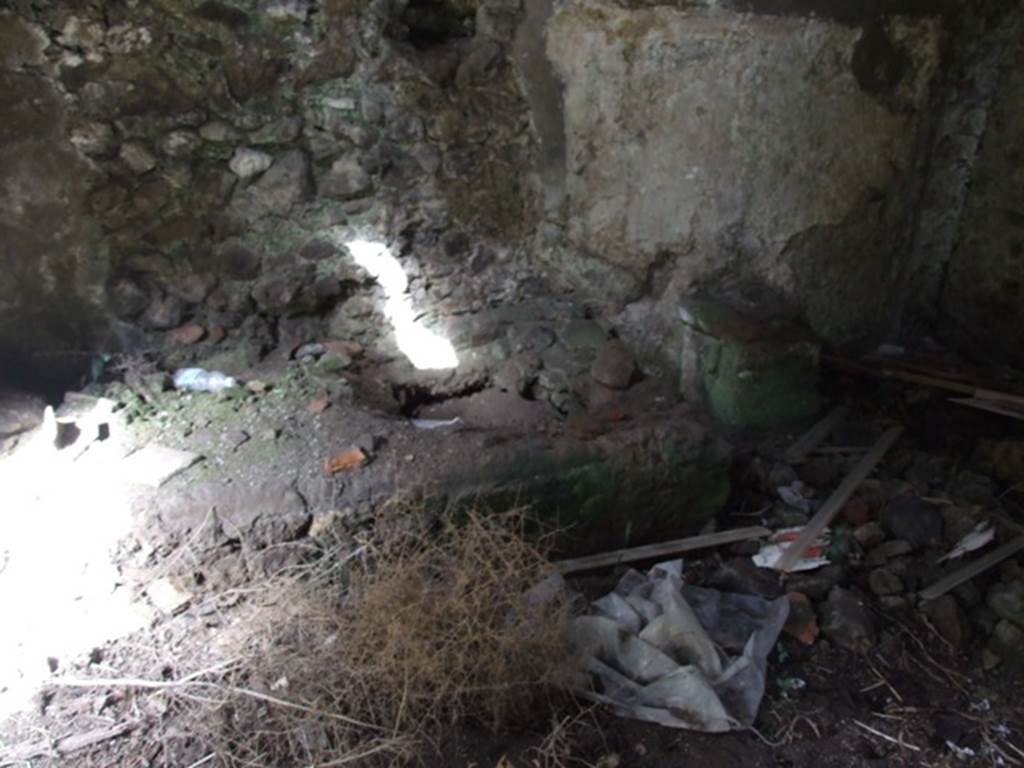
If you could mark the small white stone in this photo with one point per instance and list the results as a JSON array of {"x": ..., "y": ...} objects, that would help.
[
  {"x": 341, "y": 102},
  {"x": 246, "y": 162},
  {"x": 166, "y": 597}
]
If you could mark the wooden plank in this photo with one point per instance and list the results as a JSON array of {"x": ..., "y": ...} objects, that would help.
[
  {"x": 889, "y": 369},
  {"x": 663, "y": 549},
  {"x": 67, "y": 745},
  {"x": 972, "y": 569},
  {"x": 816, "y": 435},
  {"x": 880, "y": 371},
  {"x": 835, "y": 502},
  {"x": 1006, "y": 399},
  {"x": 992, "y": 406}
]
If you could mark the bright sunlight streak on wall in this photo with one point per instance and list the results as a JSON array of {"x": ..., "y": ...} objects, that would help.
[{"x": 425, "y": 349}]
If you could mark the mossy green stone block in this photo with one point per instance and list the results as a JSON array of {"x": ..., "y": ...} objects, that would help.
[
  {"x": 751, "y": 373},
  {"x": 762, "y": 384}
]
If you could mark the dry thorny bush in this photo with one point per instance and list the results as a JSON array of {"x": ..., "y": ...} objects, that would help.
[{"x": 438, "y": 625}]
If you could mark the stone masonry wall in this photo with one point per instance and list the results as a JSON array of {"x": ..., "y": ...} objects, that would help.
[
  {"x": 189, "y": 170},
  {"x": 174, "y": 164},
  {"x": 775, "y": 155}
]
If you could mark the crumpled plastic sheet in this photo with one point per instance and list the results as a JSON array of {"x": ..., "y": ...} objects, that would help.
[
  {"x": 201, "y": 380},
  {"x": 660, "y": 650}
]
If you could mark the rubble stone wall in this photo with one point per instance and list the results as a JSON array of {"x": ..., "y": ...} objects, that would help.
[
  {"x": 201, "y": 163},
  {"x": 175, "y": 163}
]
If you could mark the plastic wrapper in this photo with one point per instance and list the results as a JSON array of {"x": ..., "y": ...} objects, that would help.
[{"x": 657, "y": 649}]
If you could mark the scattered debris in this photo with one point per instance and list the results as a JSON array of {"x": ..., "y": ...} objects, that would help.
[
  {"x": 981, "y": 536},
  {"x": 435, "y": 423},
  {"x": 201, "y": 380},
  {"x": 166, "y": 597},
  {"x": 68, "y": 745},
  {"x": 969, "y": 571},
  {"x": 664, "y": 549},
  {"x": 791, "y": 685},
  {"x": 794, "y": 552},
  {"x": 894, "y": 535},
  {"x": 875, "y": 732},
  {"x": 345, "y": 461},
  {"x": 964, "y": 753},
  {"x": 793, "y": 495},
  {"x": 813, "y": 558}
]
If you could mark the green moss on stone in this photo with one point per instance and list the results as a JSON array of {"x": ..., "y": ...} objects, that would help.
[
  {"x": 760, "y": 384},
  {"x": 661, "y": 488}
]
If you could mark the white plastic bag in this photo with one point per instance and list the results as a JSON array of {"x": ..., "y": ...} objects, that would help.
[
  {"x": 659, "y": 650},
  {"x": 201, "y": 380}
]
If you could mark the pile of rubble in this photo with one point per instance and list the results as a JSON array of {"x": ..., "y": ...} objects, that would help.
[{"x": 906, "y": 530}]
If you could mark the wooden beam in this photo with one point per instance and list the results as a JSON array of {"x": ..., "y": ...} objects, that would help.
[
  {"x": 993, "y": 406},
  {"x": 816, "y": 435},
  {"x": 792, "y": 554},
  {"x": 664, "y": 549},
  {"x": 969, "y": 571}
]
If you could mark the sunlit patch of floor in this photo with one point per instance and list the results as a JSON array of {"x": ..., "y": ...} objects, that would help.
[{"x": 63, "y": 513}]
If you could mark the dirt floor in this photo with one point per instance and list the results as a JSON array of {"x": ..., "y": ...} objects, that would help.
[{"x": 865, "y": 675}]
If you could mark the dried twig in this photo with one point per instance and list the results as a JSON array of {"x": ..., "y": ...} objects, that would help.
[
  {"x": 995, "y": 747},
  {"x": 879, "y": 734},
  {"x": 139, "y": 682},
  {"x": 885, "y": 681},
  {"x": 194, "y": 683}
]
